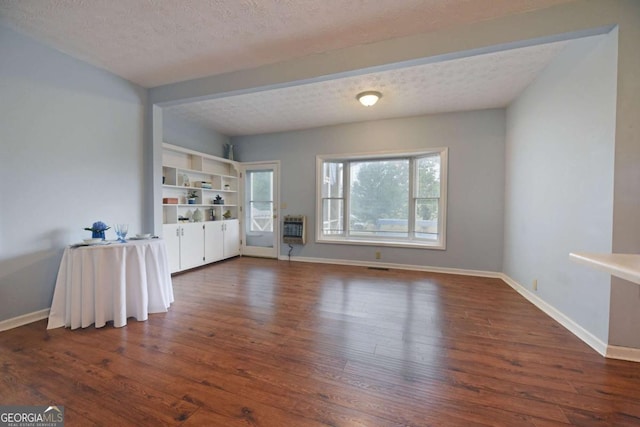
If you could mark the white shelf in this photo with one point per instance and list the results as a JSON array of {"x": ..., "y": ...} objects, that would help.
[
  {"x": 206, "y": 222},
  {"x": 212, "y": 190},
  {"x": 625, "y": 266},
  {"x": 186, "y": 205},
  {"x": 177, "y": 187},
  {"x": 197, "y": 172}
]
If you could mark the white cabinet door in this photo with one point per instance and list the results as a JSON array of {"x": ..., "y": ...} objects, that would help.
[
  {"x": 191, "y": 245},
  {"x": 213, "y": 241},
  {"x": 171, "y": 236},
  {"x": 231, "y": 238}
]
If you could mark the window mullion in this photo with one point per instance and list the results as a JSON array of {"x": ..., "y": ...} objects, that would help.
[
  {"x": 346, "y": 191},
  {"x": 412, "y": 198}
]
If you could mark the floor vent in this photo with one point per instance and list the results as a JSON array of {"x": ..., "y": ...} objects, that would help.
[{"x": 378, "y": 268}]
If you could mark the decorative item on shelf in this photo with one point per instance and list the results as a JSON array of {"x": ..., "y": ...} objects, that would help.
[
  {"x": 97, "y": 229},
  {"x": 197, "y": 216},
  {"x": 191, "y": 197},
  {"x": 183, "y": 219},
  {"x": 226, "y": 214},
  {"x": 169, "y": 200},
  {"x": 218, "y": 200},
  {"x": 229, "y": 151},
  {"x": 227, "y": 187},
  {"x": 204, "y": 184},
  {"x": 185, "y": 180},
  {"x": 164, "y": 179},
  {"x": 189, "y": 215},
  {"x": 212, "y": 214}
]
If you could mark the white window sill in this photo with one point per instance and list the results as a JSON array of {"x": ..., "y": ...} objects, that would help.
[{"x": 385, "y": 243}]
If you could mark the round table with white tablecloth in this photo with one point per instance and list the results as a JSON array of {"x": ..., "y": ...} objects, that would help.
[{"x": 112, "y": 281}]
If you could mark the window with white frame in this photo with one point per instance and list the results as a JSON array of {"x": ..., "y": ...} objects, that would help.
[{"x": 396, "y": 199}]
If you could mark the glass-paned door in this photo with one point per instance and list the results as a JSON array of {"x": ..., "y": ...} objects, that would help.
[{"x": 260, "y": 210}]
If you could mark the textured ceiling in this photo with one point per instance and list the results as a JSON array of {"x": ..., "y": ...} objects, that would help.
[
  {"x": 157, "y": 42},
  {"x": 477, "y": 82}
]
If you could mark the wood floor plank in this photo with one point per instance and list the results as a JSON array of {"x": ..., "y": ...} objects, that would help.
[{"x": 271, "y": 343}]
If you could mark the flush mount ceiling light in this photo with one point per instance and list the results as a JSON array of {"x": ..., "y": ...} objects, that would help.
[{"x": 369, "y": 98}]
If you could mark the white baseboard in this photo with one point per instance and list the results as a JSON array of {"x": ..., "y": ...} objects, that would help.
[
  {"x": 591, "y": 340},
  {"x": 445, "y": 270},
  {"x": 25, "y": 319},
  {"x": 623, "y": 353}
]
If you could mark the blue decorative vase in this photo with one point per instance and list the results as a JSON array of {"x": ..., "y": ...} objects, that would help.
[{"x": 97, "y": 234}]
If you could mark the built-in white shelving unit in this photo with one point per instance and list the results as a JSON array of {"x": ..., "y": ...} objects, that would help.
[{"x": 205, "y": 229}]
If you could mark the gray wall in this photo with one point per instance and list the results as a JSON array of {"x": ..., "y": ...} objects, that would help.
[
  {"x": 559, "y": 180},
  {"x": 476, "y": 181},
  {"x": 71, "y": 153},
  {"x": 625, "y": 298},
  {"x": 178, "y": 131}
]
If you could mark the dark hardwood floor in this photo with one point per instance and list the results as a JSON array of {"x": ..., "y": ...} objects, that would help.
[{"x": 270, "y": 343}]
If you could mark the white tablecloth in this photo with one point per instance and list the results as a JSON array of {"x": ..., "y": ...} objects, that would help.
[{"x": 97, "y": 284}]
